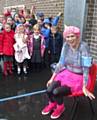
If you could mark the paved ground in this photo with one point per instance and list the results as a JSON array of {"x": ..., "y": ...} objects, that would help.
[{"x": 29, "y": 108}]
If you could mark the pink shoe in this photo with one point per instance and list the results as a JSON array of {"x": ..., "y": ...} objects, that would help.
[
  {"x": 49, "y": 108},
  {"x": 58, "y": 111}
]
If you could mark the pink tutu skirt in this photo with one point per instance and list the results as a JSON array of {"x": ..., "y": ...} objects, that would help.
[{"x": 72, "y": 80}]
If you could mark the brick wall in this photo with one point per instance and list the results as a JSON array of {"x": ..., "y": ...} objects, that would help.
[
  {"x": 91, "y": 27},
  {"x": 48, "y": 7}
]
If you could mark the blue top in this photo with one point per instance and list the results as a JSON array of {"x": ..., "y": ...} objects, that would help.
[
  {"x": 73, "y": 60},
  {"x": 55, "y": 20},
  {"x": 45, "y": 31}
]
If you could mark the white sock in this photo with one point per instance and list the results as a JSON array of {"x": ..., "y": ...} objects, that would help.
[
  {"x": 19, "y": 69},
  {"x": 24, "y": 69}
]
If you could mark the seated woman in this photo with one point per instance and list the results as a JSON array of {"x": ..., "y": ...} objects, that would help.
[{"x": 74, "y": 77}]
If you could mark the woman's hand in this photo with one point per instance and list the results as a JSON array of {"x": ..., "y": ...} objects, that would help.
[
  {"x": 49, "y": 82},
  {"x": 51, "y": 79},
  {"x": 88, "y": 93}
]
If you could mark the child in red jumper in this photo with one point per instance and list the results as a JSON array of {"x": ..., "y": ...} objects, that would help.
[
  {"x": 1, "y": 46},
  {"x": 1, "y": 41},
  {"x": 8, "y": 50}
]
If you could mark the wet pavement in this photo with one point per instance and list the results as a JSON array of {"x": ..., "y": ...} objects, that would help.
[{"x": 29, "y": 108}]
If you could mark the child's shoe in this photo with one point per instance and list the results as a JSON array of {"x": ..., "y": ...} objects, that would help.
[
  {"x": 49, "y": 108},
  {"x": 58, "y": 111}
]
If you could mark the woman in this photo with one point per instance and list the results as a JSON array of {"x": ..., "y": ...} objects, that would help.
[{"x": 76, "y": 60}]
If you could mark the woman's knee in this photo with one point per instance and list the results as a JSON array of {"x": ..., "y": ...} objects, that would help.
[
  {"x": 53, "y": 86},
  {"x": 63, "y": 90}
]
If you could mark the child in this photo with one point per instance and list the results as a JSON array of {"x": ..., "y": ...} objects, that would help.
[
  {"x": 21, "y": 50},
  {"x": 13, "y": 12},
  {"x": 8, "y": 50},
  {"x": 29, "y": 18},
  {"x": 11, "y": 22},
  {"x": 2, "y": 20},
  {"x": 1, "y": 40},
  {"x": 17, "y": 19},
  {"x": 36, "y": 47},
  {"x": 55, "y": 45},
  {"x": 45, "y": 30},
  {"x": 1, "y": 46}
]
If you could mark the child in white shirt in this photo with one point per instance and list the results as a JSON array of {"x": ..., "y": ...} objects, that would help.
[{"x": 21, "y": 49}]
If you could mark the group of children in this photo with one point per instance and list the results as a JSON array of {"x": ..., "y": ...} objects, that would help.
[{"x": 26, "y": 36}]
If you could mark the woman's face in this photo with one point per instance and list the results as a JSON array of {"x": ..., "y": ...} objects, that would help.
[{"x": 72, "y": 40}]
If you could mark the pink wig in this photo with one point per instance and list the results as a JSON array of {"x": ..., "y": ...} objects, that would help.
[{"x": 71, "y": 30}]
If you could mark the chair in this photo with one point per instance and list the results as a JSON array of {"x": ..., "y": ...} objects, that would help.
[{"x": 92, "y": 73}]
